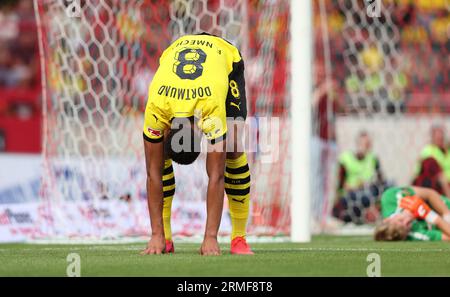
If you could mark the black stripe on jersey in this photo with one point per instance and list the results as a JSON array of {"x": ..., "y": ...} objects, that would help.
[
  {"x": 237, "y": 192},
  {"x": 168, "y": 182},
  {"x": 239, "y": 170},
  {"x": 237, "y": 181},
  {"x": 169, "y": 193},
  {"x": 146, "y": 138},
  {"x": 168, "y": 170}
]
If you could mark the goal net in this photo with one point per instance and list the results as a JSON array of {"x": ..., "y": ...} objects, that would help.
[
  {"x": 99, "y": 59},
  {"x": 380, "y": 67}
]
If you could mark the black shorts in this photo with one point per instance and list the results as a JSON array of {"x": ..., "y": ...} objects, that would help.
[{"x": 236, "y": 102}]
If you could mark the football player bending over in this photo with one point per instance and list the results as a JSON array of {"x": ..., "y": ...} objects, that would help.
[{"x": 199, "y": 84}]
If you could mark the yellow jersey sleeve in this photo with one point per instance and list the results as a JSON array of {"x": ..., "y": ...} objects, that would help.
[{"x": 156, "y": 119}]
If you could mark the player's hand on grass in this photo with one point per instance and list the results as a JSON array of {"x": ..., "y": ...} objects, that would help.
[
  {"x": 155, "y": 246},
  {"x": 210, "y": 247}
]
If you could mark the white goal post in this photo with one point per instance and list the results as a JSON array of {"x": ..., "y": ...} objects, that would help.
[{"x": 301, "y": 116}]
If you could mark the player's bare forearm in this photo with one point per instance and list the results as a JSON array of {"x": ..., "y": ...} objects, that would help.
[
  {"x": 433, "y": 198},
  {"x": 156, "y": 245},
  {"x": 154, "y": 161},
  {"x": 155, "y": 205},
  {"x": 210, "y": 245},
  {"x": 215, "y": 167},
  {"x": 216, "y": 188},
  {"x": 444, "y": 227}
]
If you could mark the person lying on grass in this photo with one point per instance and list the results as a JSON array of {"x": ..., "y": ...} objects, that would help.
[{"x": 413, "y": 213}]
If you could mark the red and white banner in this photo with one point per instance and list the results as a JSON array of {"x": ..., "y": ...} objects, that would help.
[
  {"x": 104, "y": 220},
  {"x": 18, "y": 222},
  {"x": 26, "y": 215}
]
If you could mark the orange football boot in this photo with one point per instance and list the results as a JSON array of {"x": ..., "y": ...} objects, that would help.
[
  {"x": 239, "y": 246},
  {"x": 170, "y": 248}
]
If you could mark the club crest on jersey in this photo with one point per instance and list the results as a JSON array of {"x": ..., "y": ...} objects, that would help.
[{"x": 154, "y": 132}]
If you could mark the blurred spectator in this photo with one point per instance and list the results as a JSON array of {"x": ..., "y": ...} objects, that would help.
[
  {"x": 6, "y": 78},
  {"x": 18, "y": 45},
  {"x": 19, "y": 78},
  {"x": 326, "y": 103},
  {"x": 9, "y": 22},
  {"x": 372, "y": 58},
  {"x": 13, "y": 73},
  {"x": 25, "y": 11},
  {"x": 433, "y": 170},
  {"x": 358, "y": 169},
  {"x": 397, "y": 68},
  {"x": 360, "y": 184}
]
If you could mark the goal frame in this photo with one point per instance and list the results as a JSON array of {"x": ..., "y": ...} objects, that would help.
[{"x": 301, "y": 116}]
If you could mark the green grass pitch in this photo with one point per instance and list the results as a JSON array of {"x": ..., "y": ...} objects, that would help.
[{"x": 324, "y": 256}]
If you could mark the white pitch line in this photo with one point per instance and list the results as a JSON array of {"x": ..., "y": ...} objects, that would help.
[
  {"x": 136, "y": 240},
  {"x": 354, "y": 249},
  {"x": 298, "y": 249}
]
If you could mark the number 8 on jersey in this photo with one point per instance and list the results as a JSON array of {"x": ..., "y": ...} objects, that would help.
[{"x": 189, "y": 62}]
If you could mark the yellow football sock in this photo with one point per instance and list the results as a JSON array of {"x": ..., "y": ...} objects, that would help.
[
  {"x": 237, "y": 187},
  {"x": 169, "y": 192}
]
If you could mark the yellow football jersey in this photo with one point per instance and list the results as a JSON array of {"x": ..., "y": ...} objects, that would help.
[{"x": 193, "y": 79}]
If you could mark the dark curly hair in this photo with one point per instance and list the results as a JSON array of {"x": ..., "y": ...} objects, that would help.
[{"x": 183, "y": 142}]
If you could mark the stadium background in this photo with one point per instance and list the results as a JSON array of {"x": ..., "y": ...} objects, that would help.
[{"x": 416, "y": 98}]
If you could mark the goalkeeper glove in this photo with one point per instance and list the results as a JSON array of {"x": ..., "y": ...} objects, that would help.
[{"x": 419, "y": 208}]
